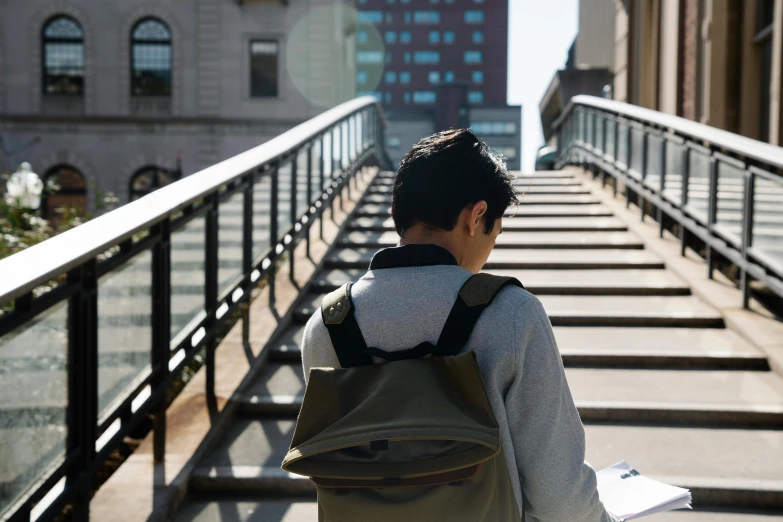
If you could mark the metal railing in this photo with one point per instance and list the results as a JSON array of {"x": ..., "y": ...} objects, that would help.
[
  {"x": 136, "y": 293},
  {"x": 723, "y": 189}
]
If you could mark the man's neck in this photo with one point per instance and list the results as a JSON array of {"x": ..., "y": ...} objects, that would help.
[{"x": 420, "y": 235}]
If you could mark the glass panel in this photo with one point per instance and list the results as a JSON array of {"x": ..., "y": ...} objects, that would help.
[
  {"x": 327, "y": 159},
  {"x": 622, "y": 143},
  {"x": 582, "y": 125},
  {"x": 589, "y": 128},
  {"x": 637, "y": 142},
  {"x": 124, "y": 326},
  {"x": 599, "y": 133},
  {"x": 698, "y": 184},
  {"x": 301, "y": 183},
  {"x": 767, "y": 221},
  {"x": 610, "y": 128},
  {"x": 674, "y": 170},
  {"x": 731, "y": 191},
  {"x": 284, "y": 198},
  {"x": 316, "y": 175},
  {"x": 652, "y": 176},
  {"x": 262, "y": 194},
  {"x": 230, "y": 240},
  {"x": 34, "y": 381},
  {"x": 187, "y": 274}
]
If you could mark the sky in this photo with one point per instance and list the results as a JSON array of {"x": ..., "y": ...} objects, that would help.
[{"x": 540, "y": 33}]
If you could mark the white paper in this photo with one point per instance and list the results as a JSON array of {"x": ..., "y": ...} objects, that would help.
[{"x": 628, "y": 495}]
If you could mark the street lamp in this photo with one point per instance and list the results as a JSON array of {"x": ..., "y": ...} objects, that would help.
[{"x": 24, "y": 188}]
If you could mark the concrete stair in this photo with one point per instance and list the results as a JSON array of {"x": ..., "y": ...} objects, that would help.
[{"x": 657, "y": 378}]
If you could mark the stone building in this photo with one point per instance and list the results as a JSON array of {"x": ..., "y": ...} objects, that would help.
[{"x": 106, "y": 95}]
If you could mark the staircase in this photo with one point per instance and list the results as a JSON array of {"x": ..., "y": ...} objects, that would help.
[{"x": 657, "y": 377}]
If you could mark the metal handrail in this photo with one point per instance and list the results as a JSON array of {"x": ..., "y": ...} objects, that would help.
[
  {"x": 334, "y": 146},
  {"x": 732, "y": 169}
]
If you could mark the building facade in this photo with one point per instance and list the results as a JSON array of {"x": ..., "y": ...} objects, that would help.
[
  {"x": 717, "y": 62},
  {"x": 106, "y": 96},
  {"x": 435, "y": 65}
]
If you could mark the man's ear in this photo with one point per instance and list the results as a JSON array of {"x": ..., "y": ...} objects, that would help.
[{"x": 477, "y": 214}]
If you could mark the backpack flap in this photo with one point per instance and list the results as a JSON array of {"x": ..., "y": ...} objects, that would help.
[{"x": 394, "y": 422}]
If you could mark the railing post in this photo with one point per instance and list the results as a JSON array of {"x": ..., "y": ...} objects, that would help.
[
  {"x": 341, "y": 160},
  {"x": 686, "y": 174},
  {"x": 661, "y": 216},
  {"x": 712, "y": 211},
  {"x": 211, "y": 263},
  {"x": 161, "y": 330},
  {"x": 747, "y": 234},
  {"x": 643, "y": 173},
  {"x": 629, "y": 163},
  {"x": 247, "y": 253},
  {"x": 82, "y": 409},
  {"x": 309, "y": 196},
  {"x": 616, "y": 155},
  {"x": 321, "y": 165},
  {"x": 273, "y": 233},
  {"x": 294, "y": 179}
]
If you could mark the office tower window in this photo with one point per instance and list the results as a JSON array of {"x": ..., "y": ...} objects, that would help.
[
  {"x": 387, "y": 98},
  {"x": 449, "y": 1},
  {"x": 422, "y": 97},
  {"x": 370, "y": 17},
  {"x": 478, "y": 77},
  {"x": 263, "y": 68},
  {"x": 393, "y": 141},
  {"x": 474, "y": 57},
  {"x": 407, "y": 97},
  {"x": 369, "y": 57},
  {"x": 426, "y": 57},
  {"x": 434, "y": 1},
  {"x": 405, "y": 1},
  {"x": 506, "y": 152},
  {"x": 475, "y": 97},
  {"x": 390, "y": 77},
  {"x": 63, "y": 57},
  {"x": 434, "y": 77},
  {"x": 391, "y": 2},
  {"x": 405, "y": 37},
  {"x": 448, "y": 77},
  {"x": 426, "y": 17},
  {"x": 151, "y": 58},
  {"x": 405, "y": 77},
  {"x": 407, "y": 17},
  {"x": 478, "y": 37},
  {"x": 407, "y": 57},
  {"x": 474, "y": 17},
  {"x": 390, "y": 37},
  {"x": 494, "y": 128},
  {"x": 361, "y": 37},
  {"x": 434, "y": 37},
  {"x": 361, "y": 77},
  {"x": 449, "y": 37},
  {"x": 478, "y": 1}
]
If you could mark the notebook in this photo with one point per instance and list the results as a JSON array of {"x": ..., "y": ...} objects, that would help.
[{"x": 628, "y": 495}]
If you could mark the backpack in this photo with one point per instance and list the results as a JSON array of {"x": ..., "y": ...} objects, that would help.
[{"x": 412, "y": 439}]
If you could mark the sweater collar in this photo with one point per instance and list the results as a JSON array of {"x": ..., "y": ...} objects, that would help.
[{"x": 412, "y": 255}]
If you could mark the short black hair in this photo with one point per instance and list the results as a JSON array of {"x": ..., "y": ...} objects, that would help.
[{"x": 443, "y": 174}]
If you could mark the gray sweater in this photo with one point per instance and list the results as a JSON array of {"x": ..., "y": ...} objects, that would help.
[{"x": 541, "y": 433}]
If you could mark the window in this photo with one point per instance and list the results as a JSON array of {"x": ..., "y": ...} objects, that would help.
[
  {"x": 376, "y": 94},
  {"x": 68, "y": 190},
  {"x": 474, "y": 17},
  {"x": 405, "y": 37},
  {"x": 475, "y": 97},
  {"x": 370, "y": 17},
  {"x": 361, "y": 37},
  {"x": 426, "y": 17},
  {"x": 390, "y": 77},
  {"x": 391, "y": 1},
  {"x": 369, "y": 57},
  {"x": 387, "y": 98},
  {"x": 151, "y": 58},
  {"x": 63, "y": 57},
  {"x": 478, "y": 37},
  {"x": 434, "y": 1},
  {"x": 390, "y": 37},
  {"x": 405, "y": 1},
  {"x": 405, "y": 77},
  {"x": 393, "y": 141},
  {"x": 434, "y": 77},
  {"x": 424, "y": 97},
  {"x": 407, "y": 17},
  {"x": 434, "y": 37},
  {"x": 448, "y": 37},
  {"x": 147, "y": 180},
  {"x": 478, "y": 77},
  {"x": 407, "y": 97},
  {"x": 494, "y": 128},
  {"x": 474, "y": 57},
  {"x": 478, "y": 1},
  {"x": 407, "y": 57},
  {"x": 361, "y": 77},
  {"x": 426, "y": 57},
  {"x": 449, "y": 77},
  {"x": 263, "y": 68},
  {"x": 506, "y": 152}
]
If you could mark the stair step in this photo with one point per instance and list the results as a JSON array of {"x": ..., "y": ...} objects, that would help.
[
  {"x": 530, "y": 259},
  {"x": 722, "y": 467},
  {"x": 526, "y": 199},
  {"x": 523, "y": 188},
  {"x": 523, "y": 181},
  {"x": 514, "y": 224},
  {"x": 508, "y": 239},
  {"x": 384, "y": 210}
]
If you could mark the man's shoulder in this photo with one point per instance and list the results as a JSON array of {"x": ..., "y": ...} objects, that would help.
[{"x": 515, "y": 297}]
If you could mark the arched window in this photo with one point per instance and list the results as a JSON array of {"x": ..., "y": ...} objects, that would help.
[
  {"x": 149, "y": 179},
  {"x": 151, "y": 58},
  {"x": 65, "y": 188},
  {"x": 63, "y": 57}
]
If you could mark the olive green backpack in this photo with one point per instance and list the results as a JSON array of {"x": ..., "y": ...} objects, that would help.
[{"x": 412, "y": 439}]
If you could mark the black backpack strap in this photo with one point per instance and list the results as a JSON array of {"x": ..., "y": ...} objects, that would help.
[
  {"x": 338, "y": 314},
  {"x": 475, "y": 295}
]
